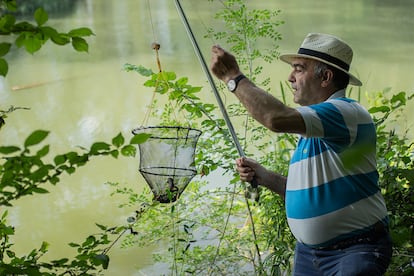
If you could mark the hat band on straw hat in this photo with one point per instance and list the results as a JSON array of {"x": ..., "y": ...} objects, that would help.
[{"x": 325, "y": 57}]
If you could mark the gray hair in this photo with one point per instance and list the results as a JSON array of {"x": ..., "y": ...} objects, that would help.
[{"x": 340, "y": 79}]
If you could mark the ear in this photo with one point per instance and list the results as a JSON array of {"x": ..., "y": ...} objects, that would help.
[{"x": 327, "y": 77}]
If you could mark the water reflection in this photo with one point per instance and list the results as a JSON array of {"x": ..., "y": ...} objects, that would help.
[
  {"x": 83, "y": 98},
  {"x": 25, "y": 8}
]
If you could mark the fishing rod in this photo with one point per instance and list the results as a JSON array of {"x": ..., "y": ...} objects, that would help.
[{"x": 213, "y": 87}]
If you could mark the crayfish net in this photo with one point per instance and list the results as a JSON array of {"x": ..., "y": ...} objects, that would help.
[{"x": 167, "y": 159}]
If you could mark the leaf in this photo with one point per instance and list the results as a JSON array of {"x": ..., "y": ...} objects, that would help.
[
  {"x": 102, "y": 259},
  {"x": 182, "y": 81},
  {"x": 60, "y": 39},
  {"x": 114, "y": 153},
  {"x": 80, "y": 44},
  {"x": 102, "y": 227},
  {"x": 7, "y": 22},
  {"x": 59, "y": 159},
  {"x": 41, "y": 16},
  {"x": 32, "y": 44},
  {"x": 376, "y": 109},
  {"x": 139, "y": 69},
  {"x": 118, "y": 141},
  {"x": 398, "y": 100},
  {"x": 129, "y": 150},
  {"x": 140, "y": 138},
  {"x": 39, "y": 190},
  {"x": 4, "y": 67},
  {"x": 72, "y": 244},
  {"x": 43, "y": 152},
  {"x": 35, "y": 138},
  {"x": 11, "y": 5},
  {"x": 4, "y": 48},
  {"x": 9, "y": 149},
  {"x": 99, "y": 146},
  {"x": 80, "y": 32},
  {"x": 48, "y": 32}
]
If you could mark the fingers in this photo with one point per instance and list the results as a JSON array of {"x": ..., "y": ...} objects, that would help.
[
  {"x": 223, "y": 64},
  {"x": 243, "y": 166}
]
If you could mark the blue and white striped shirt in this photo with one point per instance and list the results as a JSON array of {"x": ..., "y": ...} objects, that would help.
[{"x": 332, "y": 189}]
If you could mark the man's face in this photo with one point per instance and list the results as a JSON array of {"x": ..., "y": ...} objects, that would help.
[{"x": 306, "y": 87}]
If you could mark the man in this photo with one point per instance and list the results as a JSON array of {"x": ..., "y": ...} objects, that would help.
[{"x": 334, "y": 207}]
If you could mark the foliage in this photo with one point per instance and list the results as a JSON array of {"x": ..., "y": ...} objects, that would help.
[
  {"x": 24, "y": 171},
  {"x": 396, "y": 168},
  {"x": 33, "y": 36},
  {"x": 91, "y": 257}
]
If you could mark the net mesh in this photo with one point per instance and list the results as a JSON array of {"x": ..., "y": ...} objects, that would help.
[{"x": 167, "y": 160}]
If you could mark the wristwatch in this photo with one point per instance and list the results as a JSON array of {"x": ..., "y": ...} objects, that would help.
[{"x": 232, "y": 84}]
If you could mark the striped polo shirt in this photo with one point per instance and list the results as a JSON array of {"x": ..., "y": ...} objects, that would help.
[{"x": 332, "y": 189}]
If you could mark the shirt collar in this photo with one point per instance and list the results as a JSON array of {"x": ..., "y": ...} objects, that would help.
[{"x": 337, "y": 94}]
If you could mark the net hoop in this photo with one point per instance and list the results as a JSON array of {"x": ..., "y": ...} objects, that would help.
[{"x": 167, "y": 159}]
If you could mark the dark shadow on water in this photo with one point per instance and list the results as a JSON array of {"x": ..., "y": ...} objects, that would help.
[{"x": 54, "y": 8}]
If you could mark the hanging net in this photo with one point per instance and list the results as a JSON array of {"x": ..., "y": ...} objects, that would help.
[{"x": 167, "y": 160}]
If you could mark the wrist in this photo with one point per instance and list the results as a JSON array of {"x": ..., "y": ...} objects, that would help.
[{"x": 233, "y": 83}]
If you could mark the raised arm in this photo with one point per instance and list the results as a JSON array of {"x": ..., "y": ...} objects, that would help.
[{"x": 262, "y": 106}]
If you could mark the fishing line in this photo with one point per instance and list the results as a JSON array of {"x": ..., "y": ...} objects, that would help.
[{"x": 151, "y": 21}]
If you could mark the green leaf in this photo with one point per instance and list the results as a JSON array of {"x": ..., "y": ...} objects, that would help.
[
  {"x": 139, "y": 69},
  {"x": 102, "y": 259},
  {"x": 4, "y": 48},
  {"x": 102, "y": 227},
  {"x": 4, "y": 67},
  {"x": 114, "y": 153},
  {"x": 60, "y": 39},
  {"x": 80, "y": 44},
  {"x": 72, "y": 244},
  {"x": 48, "y": 32},
  {"x": 59, "y": 159},
  {"x": 35, "y": 138},
  {"x": 376, "y": 109},
  {"x": 168, "y": 76},
  {"x": 98, "y": 147},
  {"x": 11, "y": 5},
  {"x": 39, "y": 190},
  {"x": 129, "y": 150},
  {"x": 41, "y": 16},
  {"x": 80, "y": 32},
  {"x": 398, "y": 100},
  {"x": 118, "y": 141},
  {"x": 182, "y": 81},
  {"x": 140, "y": 138},
  {"x": 7, "y": 23},
  {"x": 32, "y": 43},
  {"x": 60, "y": 261},
  {"x": 24, "y": 27},
  {"x": 43, "y": 152},
  {"x": 9, "y": 149}
]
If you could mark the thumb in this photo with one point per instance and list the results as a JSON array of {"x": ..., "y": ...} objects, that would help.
[{"x": 249, "y": 162}]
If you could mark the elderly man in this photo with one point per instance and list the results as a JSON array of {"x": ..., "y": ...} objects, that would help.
[{"x": 335, "y": 209}]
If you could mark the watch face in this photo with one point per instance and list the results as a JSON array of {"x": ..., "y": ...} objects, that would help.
[{"x": 231, "y": 85}]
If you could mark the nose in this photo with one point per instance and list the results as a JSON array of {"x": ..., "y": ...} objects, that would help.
[{"x": 291, "y": 77}]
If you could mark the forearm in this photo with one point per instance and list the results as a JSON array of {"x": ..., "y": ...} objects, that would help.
[
  {"x": 274, "y": 182},
  {"x": 267, "y": 109}
]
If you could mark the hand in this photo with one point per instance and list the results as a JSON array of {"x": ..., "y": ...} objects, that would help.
[
  {"x": 249, "y": 168},
  {"x": 223, "y": 64}
]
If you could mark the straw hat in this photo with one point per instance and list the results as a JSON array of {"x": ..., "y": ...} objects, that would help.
[{"x": 327, "y": 49}]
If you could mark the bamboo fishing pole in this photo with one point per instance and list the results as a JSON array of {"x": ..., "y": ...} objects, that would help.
[{"x": 214, "y": 88}]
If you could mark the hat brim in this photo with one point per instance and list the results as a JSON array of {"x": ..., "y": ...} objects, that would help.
[{"x": 289, "y": 57}]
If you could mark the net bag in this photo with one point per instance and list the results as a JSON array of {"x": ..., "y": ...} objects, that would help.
[{"x": 167, "y": 160}]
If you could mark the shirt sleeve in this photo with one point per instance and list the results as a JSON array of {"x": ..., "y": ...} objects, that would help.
[{"x": 331, "y": 121}]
